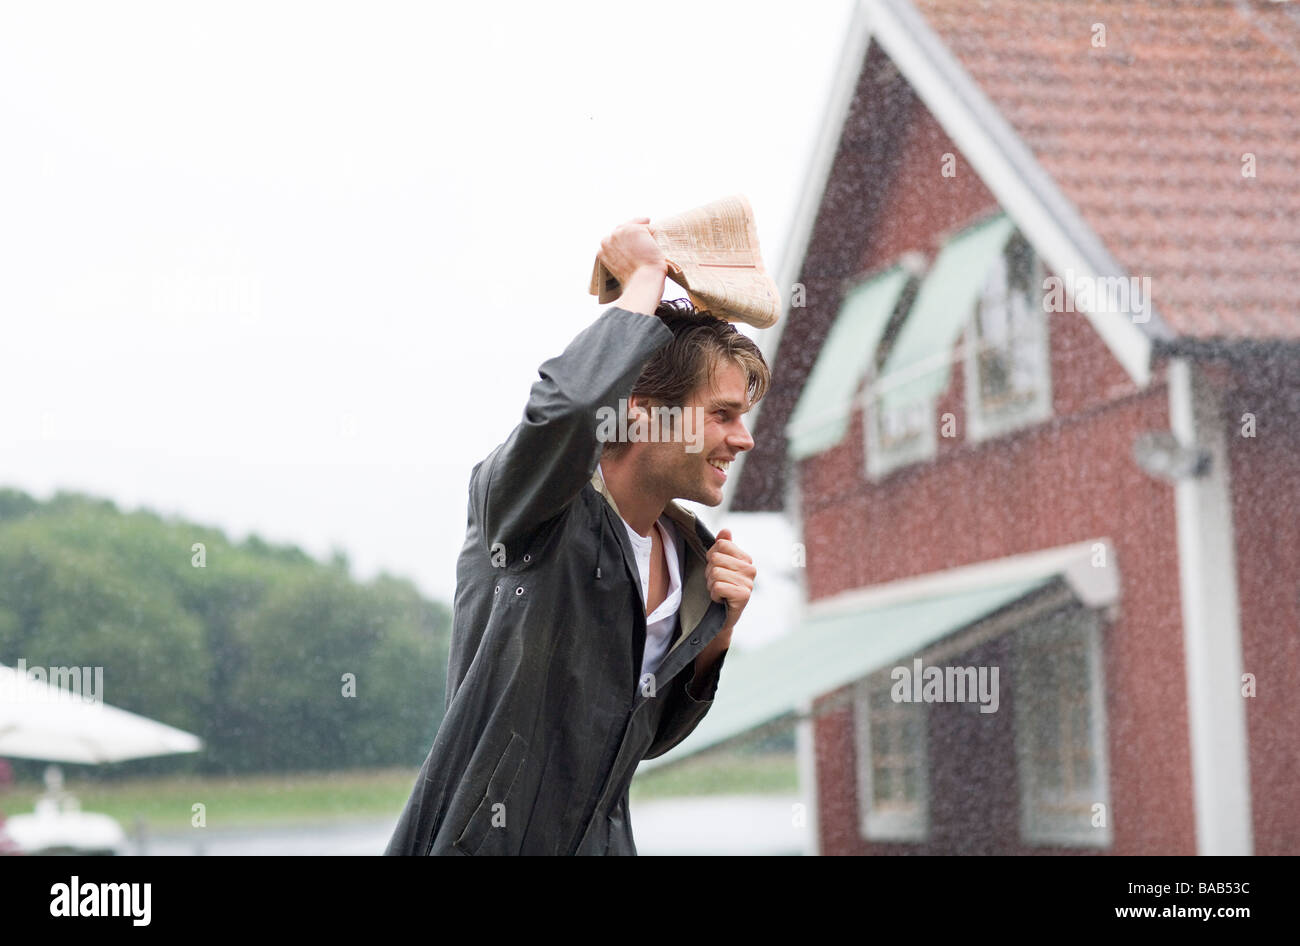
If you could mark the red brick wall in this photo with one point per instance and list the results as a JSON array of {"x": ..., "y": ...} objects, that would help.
[
  {"x": 1265, "y": 472},
  {"x": 922, "y": 206}
]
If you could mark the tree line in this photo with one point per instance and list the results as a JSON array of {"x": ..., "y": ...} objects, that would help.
[{"x": 277, "y": 661}]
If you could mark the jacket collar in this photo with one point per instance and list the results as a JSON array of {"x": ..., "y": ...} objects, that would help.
[
  {"x": 695, "y": 589},
  {"x": 674, "y": 511}
]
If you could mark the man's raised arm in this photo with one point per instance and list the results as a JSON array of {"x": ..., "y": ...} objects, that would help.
[{"x": 551, "y": 454}]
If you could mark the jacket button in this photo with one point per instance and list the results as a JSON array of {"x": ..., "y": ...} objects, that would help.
[
  {"x": 519, "y": 591},
  {"x": 528, "y": 558},
  {"x": 695, "y": 640},
  {"x": 498, "y": 590}
]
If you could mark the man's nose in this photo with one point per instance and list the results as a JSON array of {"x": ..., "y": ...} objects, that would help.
[{"x": 741, "y": 440}]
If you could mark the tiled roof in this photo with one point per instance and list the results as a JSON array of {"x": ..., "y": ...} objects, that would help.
[{"x": 1146, "y": 136}]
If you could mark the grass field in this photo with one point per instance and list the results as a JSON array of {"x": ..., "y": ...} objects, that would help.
[
  {"x": 720, "y": 774},
  {"x": 166, "y": 804}
]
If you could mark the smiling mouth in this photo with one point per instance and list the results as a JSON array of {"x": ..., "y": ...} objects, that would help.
[{"x": 721, "y": 467}]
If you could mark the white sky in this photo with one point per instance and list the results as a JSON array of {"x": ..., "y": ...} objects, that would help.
[{"x": 290, "y": 269}]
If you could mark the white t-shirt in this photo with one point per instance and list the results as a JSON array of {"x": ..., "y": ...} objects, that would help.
[{"x": 661, "y": 625}]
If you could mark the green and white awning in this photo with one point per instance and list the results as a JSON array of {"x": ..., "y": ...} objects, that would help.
[
  {"x": 919, "y": 362},
  {"x": 855, "y": 634},
  {"x": 821, "y": 417}
]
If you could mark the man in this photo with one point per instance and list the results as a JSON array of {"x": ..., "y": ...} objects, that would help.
[{"x": 592, "y": 614}]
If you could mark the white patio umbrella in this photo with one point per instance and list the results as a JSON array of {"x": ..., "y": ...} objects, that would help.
[{"x": 40, "y": 721}]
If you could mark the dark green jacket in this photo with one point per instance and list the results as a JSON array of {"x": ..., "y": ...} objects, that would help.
[{"x": 546, "y": 716}]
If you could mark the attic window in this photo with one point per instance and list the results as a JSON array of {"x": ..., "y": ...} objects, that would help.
[
  {"x": 916, "y": 371},
  {"x": 1008, "y": 377}
]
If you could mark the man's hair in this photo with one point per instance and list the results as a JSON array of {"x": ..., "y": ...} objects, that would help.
[{"x": 700, "y": 344}]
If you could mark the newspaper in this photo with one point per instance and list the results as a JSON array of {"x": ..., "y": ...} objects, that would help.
[{"x": 713, "y": 254}]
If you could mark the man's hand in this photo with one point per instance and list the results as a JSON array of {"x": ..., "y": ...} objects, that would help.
[
  {"x": 730, "y": 574},
  {"x": 633, "y": 257},
  {"x": 631, "y": 246}
]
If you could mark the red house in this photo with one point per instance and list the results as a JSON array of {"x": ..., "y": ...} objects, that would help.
[{"x": 1036, "y": 415}]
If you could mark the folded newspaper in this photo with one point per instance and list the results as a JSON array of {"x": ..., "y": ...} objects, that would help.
[{"x": 713, "y": 254}]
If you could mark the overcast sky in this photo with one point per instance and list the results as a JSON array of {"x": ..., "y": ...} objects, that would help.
[{"x": 290, "y": 269}]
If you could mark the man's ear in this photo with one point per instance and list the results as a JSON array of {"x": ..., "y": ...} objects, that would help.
[
  {"x": 638, "y": 418},
  {"x": 639, "y": 404}
]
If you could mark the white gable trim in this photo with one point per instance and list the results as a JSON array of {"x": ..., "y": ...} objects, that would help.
[
  {"x": 836, "y": 112},
  {"x": 1022, "y": 188}
]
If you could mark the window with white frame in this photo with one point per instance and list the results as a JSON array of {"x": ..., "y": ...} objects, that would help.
[
  {"x": 893, "y": 786},
  {"x": 1061, "y": 732},
  {"x": 1008, "y": 376},
  {"x": 898, "y": 436}
]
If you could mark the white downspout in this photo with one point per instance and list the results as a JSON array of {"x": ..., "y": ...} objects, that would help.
[{"x": 1207, "y": 567}]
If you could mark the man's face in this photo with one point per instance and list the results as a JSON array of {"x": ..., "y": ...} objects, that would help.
[{"x": 714, "y": 434}]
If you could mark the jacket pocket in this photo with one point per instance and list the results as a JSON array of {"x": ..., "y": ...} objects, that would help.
[{"x": 495, "y": 804}]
